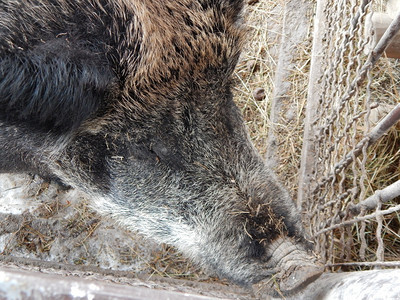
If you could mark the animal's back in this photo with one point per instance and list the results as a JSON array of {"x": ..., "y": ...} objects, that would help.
[{"x": 105, "y": 47}]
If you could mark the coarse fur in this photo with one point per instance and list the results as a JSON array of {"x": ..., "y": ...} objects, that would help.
[{"x": 131, "y": 102}]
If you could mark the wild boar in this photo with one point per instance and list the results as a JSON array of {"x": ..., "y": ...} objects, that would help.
[{"x": 131, "y": 102}]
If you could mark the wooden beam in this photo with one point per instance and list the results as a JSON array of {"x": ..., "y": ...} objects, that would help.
[
  {"x": 308, "y": 156},
  {"x": 375, "y": 284},
  {"x": 22, "y": 284},
  {"x": 294, "y": 32}
]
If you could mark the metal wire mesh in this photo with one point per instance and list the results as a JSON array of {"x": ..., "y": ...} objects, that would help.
[{"x": 347, "y": 231}]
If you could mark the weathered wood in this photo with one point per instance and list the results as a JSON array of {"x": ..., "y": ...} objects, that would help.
[
  {"x": 379, "y": 23},
  {"x": 294, "y": 33},
  {"x": 307, "y": 164},
  {"x": 31, "y": 275},
  {"x": 388, "y": 37},
  {"x": 22, "y": 284},
  {"x": 376, "y": 284}
]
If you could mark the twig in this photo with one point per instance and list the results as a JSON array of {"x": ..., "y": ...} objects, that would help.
[
  {"x": 359, "y": 219},
  {"x": 385, "y": 195},
  {"x": 366, "y": 264},
  {"x": 374, "y": 135}
]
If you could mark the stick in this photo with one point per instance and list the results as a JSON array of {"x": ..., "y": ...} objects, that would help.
[
  {"x": 390, "y": 192},
  {"x": 374, "y": 135}
]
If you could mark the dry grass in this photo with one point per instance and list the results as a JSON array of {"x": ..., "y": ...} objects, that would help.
[{"x": 256, "y": 68}]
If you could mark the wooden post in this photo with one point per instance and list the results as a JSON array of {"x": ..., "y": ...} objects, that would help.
[
  {"x": 308, "y": 152},
  {"x": 294, "y": 33}
]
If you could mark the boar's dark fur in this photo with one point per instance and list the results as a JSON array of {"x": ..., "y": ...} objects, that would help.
[{"x": 131, "y": 102}]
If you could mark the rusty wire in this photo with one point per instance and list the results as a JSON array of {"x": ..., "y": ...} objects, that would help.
[{"x": 341, "y": 136}]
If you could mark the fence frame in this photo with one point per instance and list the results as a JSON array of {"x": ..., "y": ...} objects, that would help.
[{"x": 309, "y": 181}]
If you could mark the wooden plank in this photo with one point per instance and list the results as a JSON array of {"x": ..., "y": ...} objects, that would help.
[
  {"x": 308, "y": 153},
  {"x": 294, "y": 32},
  {"x": 376, "y": 284},
  {"x": 22, "y": 284}
]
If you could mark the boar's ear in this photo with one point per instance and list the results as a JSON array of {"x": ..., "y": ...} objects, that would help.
[{"x": 50, "y": 92}]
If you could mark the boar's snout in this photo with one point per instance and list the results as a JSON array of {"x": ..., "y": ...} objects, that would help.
[{"x": 209, "y": 194}]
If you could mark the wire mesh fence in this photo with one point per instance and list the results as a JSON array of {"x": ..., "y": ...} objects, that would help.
[{"x": 349, "y": 184}]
